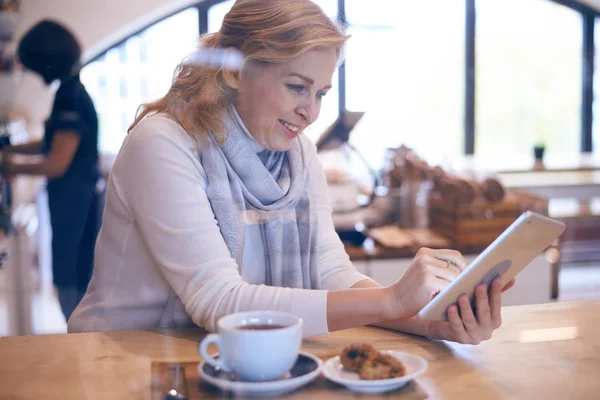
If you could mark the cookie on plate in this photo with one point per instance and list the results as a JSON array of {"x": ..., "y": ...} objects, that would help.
[{"x": 353, "y": 356}]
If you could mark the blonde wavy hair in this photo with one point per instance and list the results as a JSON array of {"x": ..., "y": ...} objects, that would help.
[{"x": 264, "y": 31}]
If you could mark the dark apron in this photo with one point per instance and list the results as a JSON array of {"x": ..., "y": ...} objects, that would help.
[{"x": 75, "y": 218}]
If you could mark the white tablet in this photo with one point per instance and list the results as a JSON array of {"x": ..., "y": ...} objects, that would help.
[{"x": 516, "y": 247}]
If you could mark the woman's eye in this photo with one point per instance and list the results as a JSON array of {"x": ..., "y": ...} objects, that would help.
[
  {"x": 296, "y": 88},
  {"x": 320, "y": 95}
]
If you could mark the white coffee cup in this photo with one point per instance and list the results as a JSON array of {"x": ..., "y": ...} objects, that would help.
[{"x": 255, "y": 345}]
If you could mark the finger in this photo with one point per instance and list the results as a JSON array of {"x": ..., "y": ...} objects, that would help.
[
  {"x": 442, "y": 263},
  {"x": 455, "y": 257},
  {"x": 439, "y": 268},
  {"x": 482, "y": 309},
  {"x": 468, "y": 318},
  {"x": 436, "y": 285},
  {"x": 496, "y": 302},
  {"x": 454, "y": 267},
  {"x": 457, "y": 329},
  {"x": 510, "y": 284},
  {"x": 456, "y": 324},
  {"x": 448, "y": 274}
]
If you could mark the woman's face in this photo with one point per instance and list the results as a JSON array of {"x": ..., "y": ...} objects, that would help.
[{"x": 278, "y": 101}]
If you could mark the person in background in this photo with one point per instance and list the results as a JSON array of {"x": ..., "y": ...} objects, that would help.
[
  {"x": 217, "y": 202},
  {"x": 70, "y": 158}
]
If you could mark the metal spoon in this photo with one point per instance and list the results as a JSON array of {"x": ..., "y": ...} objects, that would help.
[{"x": 175, "y": 393}]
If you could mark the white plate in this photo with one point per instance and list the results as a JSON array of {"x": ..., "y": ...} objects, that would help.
[
  {"x": 415, "y": 365},
  {"x": 306, "y": 368}
]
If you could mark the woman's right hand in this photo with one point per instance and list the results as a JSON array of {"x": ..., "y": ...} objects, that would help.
[{"x": 430, "y": 271}]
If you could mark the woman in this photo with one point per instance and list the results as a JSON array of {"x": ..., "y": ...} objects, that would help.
[
  {"x": 70, "y": 157},
  {"x": 217, "y": 201}
]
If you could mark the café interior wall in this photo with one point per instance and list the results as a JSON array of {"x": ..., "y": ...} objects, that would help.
[{"x": 97, "y": 23}]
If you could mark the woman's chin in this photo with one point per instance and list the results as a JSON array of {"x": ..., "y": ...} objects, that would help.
[{"x": 281, "y": 145}]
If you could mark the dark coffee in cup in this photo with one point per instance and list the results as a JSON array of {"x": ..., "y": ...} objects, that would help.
[{"x": 260, "y": 327}]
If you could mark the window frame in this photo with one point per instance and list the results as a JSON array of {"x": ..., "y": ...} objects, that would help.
[{"x": 588, "y": 14}]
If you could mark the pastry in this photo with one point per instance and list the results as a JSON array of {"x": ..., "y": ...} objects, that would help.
[
  {"x": 383, "y": 366},
  {"x": 370, "y": 363},
  {"x": 353, "y": 356}
]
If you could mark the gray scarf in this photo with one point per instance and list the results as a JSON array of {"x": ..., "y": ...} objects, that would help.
[{"x": 269, "y": 189}]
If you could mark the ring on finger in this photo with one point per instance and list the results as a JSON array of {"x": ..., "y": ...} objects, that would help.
[{"x": 449, "y": 265}]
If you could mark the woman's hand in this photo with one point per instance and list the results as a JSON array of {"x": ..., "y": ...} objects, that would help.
[
  {"x": 429, "y": 273},
  {"x": 467, "y": 326},
  {"x": 421, "y": 282}
]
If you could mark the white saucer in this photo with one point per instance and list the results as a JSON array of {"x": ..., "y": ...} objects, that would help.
[
  {"x": 415, "y": 365},
  {"x": 306, "y": 368}
]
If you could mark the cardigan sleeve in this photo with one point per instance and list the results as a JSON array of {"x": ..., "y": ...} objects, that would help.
[{"x": 162, "y": 184}]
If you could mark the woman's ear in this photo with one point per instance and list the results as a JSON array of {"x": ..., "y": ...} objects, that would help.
[{"x": 231, "y": 78}]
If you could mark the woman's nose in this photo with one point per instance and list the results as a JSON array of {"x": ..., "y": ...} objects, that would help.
[{"x": 309, "y": 111}]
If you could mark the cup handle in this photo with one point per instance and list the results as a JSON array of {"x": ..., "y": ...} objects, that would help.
[{"x": 213, "y": 338}]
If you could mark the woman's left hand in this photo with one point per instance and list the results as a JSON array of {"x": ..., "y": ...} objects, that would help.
[{"x": 471, "y": 327}]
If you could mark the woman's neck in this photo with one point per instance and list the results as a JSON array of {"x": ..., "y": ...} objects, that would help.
[{"x": 256, "y": 146}]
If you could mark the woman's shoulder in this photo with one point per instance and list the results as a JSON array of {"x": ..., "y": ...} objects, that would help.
[
  {"x": 157, "y": 141},
  {"x": 158, "y": 138},
  {"x": 158, "y": 128},
  {"x": 160, "y": 124}
]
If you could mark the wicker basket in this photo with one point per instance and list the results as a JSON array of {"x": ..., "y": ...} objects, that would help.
[{"x": 472, "y": 227}]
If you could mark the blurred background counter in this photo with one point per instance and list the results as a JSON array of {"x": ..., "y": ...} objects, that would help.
[{"x": 465, "y": 205}]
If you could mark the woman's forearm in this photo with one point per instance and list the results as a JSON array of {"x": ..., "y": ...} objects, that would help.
[
  {"x": 50, "y": 167},
  {"x": 410, "y": 325},
  {"x": 36, "y": 168},
  {"x": 30, "y": 148},
  {"x": 358, "y": 307}
]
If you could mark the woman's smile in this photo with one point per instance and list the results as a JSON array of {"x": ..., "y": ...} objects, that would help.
[{"x": 290, "y": 129}]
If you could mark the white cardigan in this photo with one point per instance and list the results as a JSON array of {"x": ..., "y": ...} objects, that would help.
[{"x": 160, "y": 258}]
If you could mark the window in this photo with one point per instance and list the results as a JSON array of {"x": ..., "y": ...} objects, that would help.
[
  {"x": 122, "y": 53},
  {"x": 125, "y": 122},
  {"x": 147, "y": 59},
  {"x": 405, "y": 70},
  {"x": 102, "y": 86},
  {"x": 528, "y": 77},
  {"x": 143, "y": 51},
  {"x": 329, "y": 7},
  {"x": 216, "y": 14},
  {"x": 123, "y": 88},
  {"x": 144, "y": 88},
  {"x": 596, "y": 103}
]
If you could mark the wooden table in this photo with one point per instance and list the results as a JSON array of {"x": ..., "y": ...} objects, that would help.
[{"x": 549, "y": 351}]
